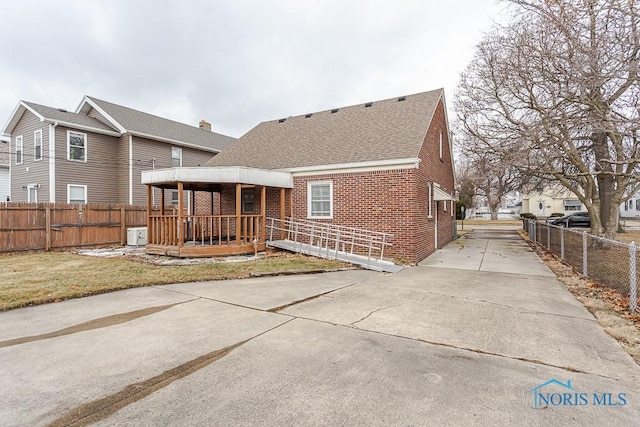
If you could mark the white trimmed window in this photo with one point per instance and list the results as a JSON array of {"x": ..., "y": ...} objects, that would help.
[
  {"x": 37, "y": 145},
  {"x": 174, "y": 197},
  {"x": 320, "y": 199},
  {"x": 76, "y": 194},
  {"x": 440, "y": 144},
  {"x": 19, "y": 150},
  {"x": 176, "y": 157},
  {"x": 76, "y": 146},
  {"x": 429, "y": 200}
]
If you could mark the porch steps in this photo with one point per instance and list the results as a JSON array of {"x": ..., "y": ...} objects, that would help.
[{"x": 331, "y": 241}]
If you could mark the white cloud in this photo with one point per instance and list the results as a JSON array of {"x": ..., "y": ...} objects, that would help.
[{"x": 234, "y": 63}]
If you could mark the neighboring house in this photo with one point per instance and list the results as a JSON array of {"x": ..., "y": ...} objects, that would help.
[
  {"x": 5, "y": 177},
  {"x": 551, "y": 199},
  {"x": 385, "y": 166},
  {"x": 96, "y": 154},
  {"x": 631, "y": 208}
]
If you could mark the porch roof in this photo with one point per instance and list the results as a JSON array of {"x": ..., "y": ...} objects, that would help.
[
  {"x": 440, "y": 195},
  {"x": 206, "y": 176}
]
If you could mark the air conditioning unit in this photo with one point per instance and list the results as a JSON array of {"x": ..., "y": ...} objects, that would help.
[{"x": 137, "y": 236}]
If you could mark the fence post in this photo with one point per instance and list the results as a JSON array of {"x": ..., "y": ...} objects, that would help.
[
  {"x": 548, "y": 237},
  {"x": 47, "y": 220},
  {"x": 585, "y": 265},
  {"x": 123, "y": 225},
  {"x": 562, "y": 243},
  {"x": 633, "y": 281}
]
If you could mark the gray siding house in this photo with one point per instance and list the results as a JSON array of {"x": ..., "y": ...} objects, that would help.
[
  {"x": 5, "y": 177},
  {"x": 97, "y": 153}
]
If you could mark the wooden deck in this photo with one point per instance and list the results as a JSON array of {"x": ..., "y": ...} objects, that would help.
[{"x": 197, "y": 250}]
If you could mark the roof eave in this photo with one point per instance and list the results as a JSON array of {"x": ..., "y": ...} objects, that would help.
[
  {"x": 176, "y": 142},
  {"x": 87, "y": 101}
]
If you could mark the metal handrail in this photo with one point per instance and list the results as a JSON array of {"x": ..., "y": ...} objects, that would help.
[{"x": 331, "y": 238}]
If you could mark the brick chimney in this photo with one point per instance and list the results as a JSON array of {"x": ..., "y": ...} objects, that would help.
[{"x": 205, "y": 125}]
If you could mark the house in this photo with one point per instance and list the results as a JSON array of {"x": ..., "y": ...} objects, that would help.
[
  {"x": 384, "y": 166},
  {"x": 96, "y": 154},
  {"x": 543, "y": 202},
  {"x": 631, "y": 208},
  {"x": 5, "y": 177}
]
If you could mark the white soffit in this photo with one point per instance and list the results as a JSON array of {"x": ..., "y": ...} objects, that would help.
[{"x": 220, "y": 175}]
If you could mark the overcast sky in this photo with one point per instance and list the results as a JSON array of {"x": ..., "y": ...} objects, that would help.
[{"x": 234, "y": 63}]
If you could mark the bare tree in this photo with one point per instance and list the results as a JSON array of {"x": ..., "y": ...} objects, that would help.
[
  {"x": 490, "y": 177},
  {"x": 555, "y": 93}
]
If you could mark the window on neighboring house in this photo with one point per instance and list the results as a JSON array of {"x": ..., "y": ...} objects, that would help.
[
  {"x": 572, "y": 205},
  {"x": 77, "y": 194},
  {"x": 76, "y": 146},
  {"x": 248, "y": 201},
  {"x": 626, "y": 205},
  {"x": 19, "y": 150},
  {"x": 631, "y": 204},
  {"x": 174, "y": 197},
  {"x": 638, "y": 204},
  {"x": 32, "y": 193},
  {"x": 320, "y": 199},
  {"x": 176, "y": 157},
  {"x": 429, "y": 200},
  {"x": 440, "y": 144},
  {"x": 37, "y": 145}
]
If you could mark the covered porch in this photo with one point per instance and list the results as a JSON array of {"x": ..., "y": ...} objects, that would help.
[{"x": 213, "y": 211}]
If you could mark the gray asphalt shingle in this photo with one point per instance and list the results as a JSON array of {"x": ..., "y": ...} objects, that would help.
[{"x": 385, "y": 130}]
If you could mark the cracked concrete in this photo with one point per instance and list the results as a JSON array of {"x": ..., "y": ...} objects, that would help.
[{"x": 433, "y": 344}]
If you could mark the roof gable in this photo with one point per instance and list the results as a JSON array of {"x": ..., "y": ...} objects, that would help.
[
  {"x": 128, "y": 120},
  {"x": 378, "y": 131},
  {"x": 56, "y": 115}
]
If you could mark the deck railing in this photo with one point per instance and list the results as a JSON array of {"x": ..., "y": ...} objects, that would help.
[
  {"x": 174, "y": 230},
  {"x": 329, "y": 239}
]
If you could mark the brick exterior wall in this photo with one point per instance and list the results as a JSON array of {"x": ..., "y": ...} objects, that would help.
[{"x": 392, "y": 201}]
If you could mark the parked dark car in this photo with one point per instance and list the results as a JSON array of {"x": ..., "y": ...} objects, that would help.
[{"x": 577, "y": 219}]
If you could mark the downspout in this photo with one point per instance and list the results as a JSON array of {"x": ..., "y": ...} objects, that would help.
[
  {"x": 130, "y": 169},
  {"x": 52, "y": 162},
  {"x": 436, "y": 225}
]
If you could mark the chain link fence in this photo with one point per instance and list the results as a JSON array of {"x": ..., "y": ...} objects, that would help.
[{"x": 609, "y": 262}]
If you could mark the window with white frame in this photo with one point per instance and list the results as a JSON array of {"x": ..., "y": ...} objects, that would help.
[
  {"x": 638, "y": 204},
  {"x": 440, "y": 144},
  {"x": 37, "y": 145},
  {"x": 572, "y": 205},
  {"x": 174, "y": 197},
  {"x": 429, "y": 200},
  {"x": 76, "y": 194},
  {"x": 19, "y": 150},
  {"x": 76, "y": 146},
  {"x": 176, "y": 157},
  {"x": 320, "y": 199}
]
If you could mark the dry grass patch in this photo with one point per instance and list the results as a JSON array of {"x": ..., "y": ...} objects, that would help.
[
  {"x": 609, "y": 306},
  {"x": 38, "y": 278}
]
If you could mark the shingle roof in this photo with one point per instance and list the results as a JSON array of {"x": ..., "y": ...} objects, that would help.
[
  {"x": 385, "y": 130},
  {"x": 56, "y": 114},
  {"x": 138, "y": 122}
]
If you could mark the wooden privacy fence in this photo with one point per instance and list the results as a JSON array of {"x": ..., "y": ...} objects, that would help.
[{"x": 38, "y": 226}]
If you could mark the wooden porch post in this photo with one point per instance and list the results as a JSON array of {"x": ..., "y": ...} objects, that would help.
[
  {"x": 180, "y": 209},
  {"x": 263, "y": 212},
  {"x": 282, "y": 214},
  {"x": 238, "y": 212},
  {"x": 161, "y": 201},
  {"x": 291, "y": 203},
  {"x": 149, "y": 209}
]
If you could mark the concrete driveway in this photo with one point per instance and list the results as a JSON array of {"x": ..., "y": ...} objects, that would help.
[{"x": 461, "y": 339}]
